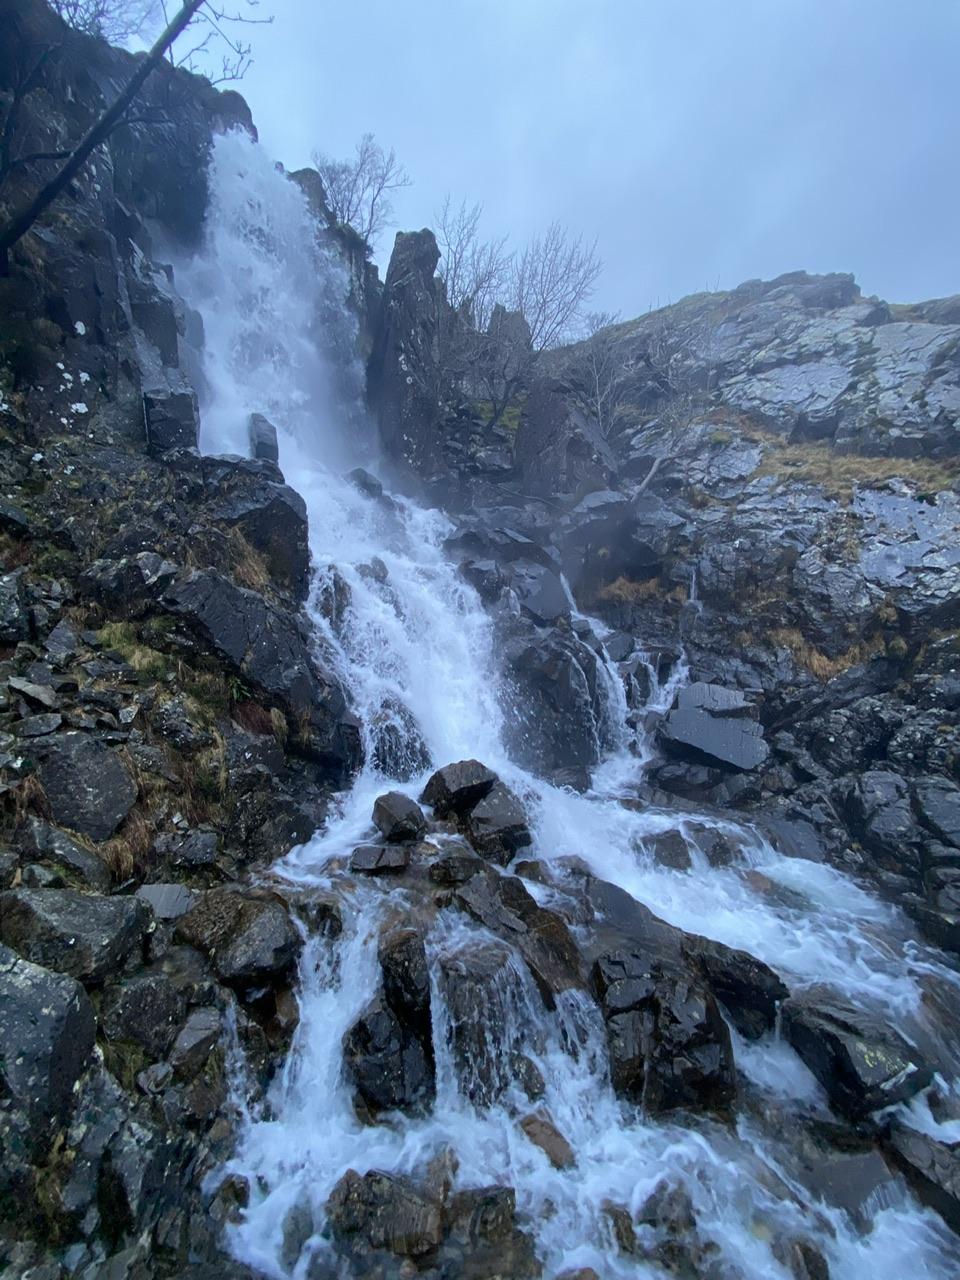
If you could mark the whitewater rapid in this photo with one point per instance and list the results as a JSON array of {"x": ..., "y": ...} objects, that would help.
[{"x": 417, "y": 637}]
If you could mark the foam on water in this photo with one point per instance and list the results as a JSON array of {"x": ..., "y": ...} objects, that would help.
[{"x": 419, "y": 638}]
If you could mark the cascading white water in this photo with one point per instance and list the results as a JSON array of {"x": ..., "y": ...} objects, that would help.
[{"x": 417, "y": 637}]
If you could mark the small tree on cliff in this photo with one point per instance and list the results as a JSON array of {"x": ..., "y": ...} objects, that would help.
[
  {"x": 511, "y": 308},
  {"x": 193, "y": 12},
  {"x": 358, "y": 190}
]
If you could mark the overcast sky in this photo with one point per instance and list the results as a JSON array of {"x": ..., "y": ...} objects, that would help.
[{"x": 702, "y": 142}]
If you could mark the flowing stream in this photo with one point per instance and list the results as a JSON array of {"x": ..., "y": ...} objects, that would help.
[{"x": 417, "y": 637}]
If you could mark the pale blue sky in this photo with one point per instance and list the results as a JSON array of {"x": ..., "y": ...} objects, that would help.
[{"x": 702, "y": 142}]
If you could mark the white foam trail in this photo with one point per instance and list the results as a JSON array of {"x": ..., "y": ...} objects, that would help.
[{"x": 418, "y": 637}]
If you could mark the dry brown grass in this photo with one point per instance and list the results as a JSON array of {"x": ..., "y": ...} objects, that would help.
[
  {"x": 818, "y": 663},
  {"x": 127, "y": 853},
  {"x": 207, "y": 782},
  {"x": 14, "y": 553},
  {"x": 281, "y": 729},
  {"x": 29, "y": 797},
  {"x": 837, "y": 473},
  {"x": 247, "y": 566},
  {"x": 628, "y": 591},
  {"x": 253, "y": 717}
]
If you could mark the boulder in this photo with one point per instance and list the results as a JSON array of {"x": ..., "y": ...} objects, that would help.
[
  {"x": 711, "y": 724},
  {"x": 504, "y": 905},
  {"x": 250, "y": 940},
  {"x": 543, "y": 1133},
  {"x": 496, "y": 826},
  {"x": 47, "y": 1029},
  {"x": 456, "y": 788},
  {"x": 398, "y": 747},
  {"x": 380, "y": 859},
  {"x": 862, "y": 1063},
  {"x": 195, "y": 1041},
  {"x": 172, "y": 419},
  {"x": 877, "y": 806},
  {"x": 88, "y": 786},
  {"x": 168, "y": 901},
  {"x": 85, "y": 935},
  {"x": 669, "y": 1045},
  {"x": 144, "y": 1010},
  {"x": 14, "y": 615},
  {"x": 483, "y": 1240},
  {"x": 263, "y": 438},
  {"x": 406, "y": 978},
  {"x": 748, "y": 989},
  {"x": 398, "y": 818},
  {"x": 48, "y": 843},
  {"x": 931, "y": 1167},
  {"x": 387, "y": 1062},
  {"x": 381, "y": 1211},
  {"x": 938, "y": 804},
  {"x": 273, "y": 520}
]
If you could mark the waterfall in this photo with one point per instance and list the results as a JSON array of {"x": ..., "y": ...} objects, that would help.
[{"x": 411, "y": 641}]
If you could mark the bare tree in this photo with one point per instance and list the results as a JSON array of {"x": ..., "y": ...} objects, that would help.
[
  {"x": 75, "y": 158},
  {"x": 217, "y": 27},
  {"x": 358, "y": 190},
  {"x": 506, "y": 309},
  {"x": 113, "y": 20},
  {"x": 603, "y": 369}
]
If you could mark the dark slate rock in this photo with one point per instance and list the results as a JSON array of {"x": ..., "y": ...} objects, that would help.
[
  {"x": 47, "y": 1029},
  {"x": 62, "y": 642},
  {"x": 505, "y": 906},
  {"x": 168, "y": 901},
  {"x": 454, "y": 867},
  {"x": 365, "y": 482},
  {"x": 195, "y": 1041},
  {"x": 382, "y": 1211},
  {"x": 85, "y": 935},
  {"x": 669, "y": 1045},
  {"x": 39, "y": 726},
  {"x": 496, "y": 826},
  {"x": 263, "y": 438},
  {"x": 748, "y": 989},
  {"x": 932, "y": 1168},
  {"x": 14, "y": 616},
  {"x": 697, "y": 735},
  {"x": 47, "y": 842},
  {"x": 172, "y": 420},
  {"x": 88, "y": 786},
  {"x": 273, "y": 519},
  {"x": 39, "y": 694},
  {"x": 387, "y": 1062},
  {"x": 145, "y": 1010},
  {"x": 456, "y": 788},
  {"x": 877, "y": 807},
  {"x": 398, "y": 818},
  {"x": 194, "y": 849},
  {"x": 715, "y": 699},
  {"x": 938, "y": 803},
  {"x": 406, "y": 978},
  {"x": 250, "y": 940},
  {"x": 540, "y": 591},
  {"x": 379, "y": 859},
  {"x": 862, "y": 1063},
  {"x": 260, "y": 642},
  {"x": 398, "y": 747},
  {"x": 125, "y": 583}
]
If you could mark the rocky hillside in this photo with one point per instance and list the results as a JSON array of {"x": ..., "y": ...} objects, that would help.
[{"x": 774, "y": 502}]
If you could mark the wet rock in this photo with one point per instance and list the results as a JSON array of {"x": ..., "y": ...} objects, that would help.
[
  {"x": 748, "y": 989},
  {"x": 88, "y": 786},
  {"x": 47, "y": 1029},
  {"x": 45, "y": 841},
  {"x": 139, "y": 1179},
  {"x": 861, "y": 1062},
  {"x": 194, "y": 849},
  {"x": 14, "y": 616},
  {"x": 38, "y": 726},
  {"x": 669, "y": 1045},
  {"x": 263, "y": 438},
  {"x": 387, "y": 1062},
  {"x": 125, "y": 584},
  {"x": 486, "y": 1003},
  {"x": 85, "y": 935},
  {"x": 543, "y": 1133},
  {"x": 932, "y": 1168},
  {"x": 406, "y": 978},
  {"x": 483, "y": 1239},
  {"x": 176, "y": 721},
  {"x": 250, "y": 940},
  {"x": 168, "y": 901},
  {"x": 712, "y": 725},
  {"x": 938, "y": 804},
  {"x": 380, "y": 859},
  {"x": 877, "y": 805},
  {"x": 802, "y": 1259},
  {"x": 457, "y": 788},
  {"x": 297, "y": 1229},
  {"x": 145, "y": 1010},
  {"x": 398, "y": 818},
  {"x": 273, "y": 520},
  {"x": 37, "y": 694},
  {"x": 381, "y": 1211},
  {"x": 454, "y": 867},
  {"x": 398, "y": 747},
  {"x": 505, "y": 906},
  {"x": 496, "y": 826},
  {"x": 196, "y": 1039},
  {"x": 172, "y": 420}
]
